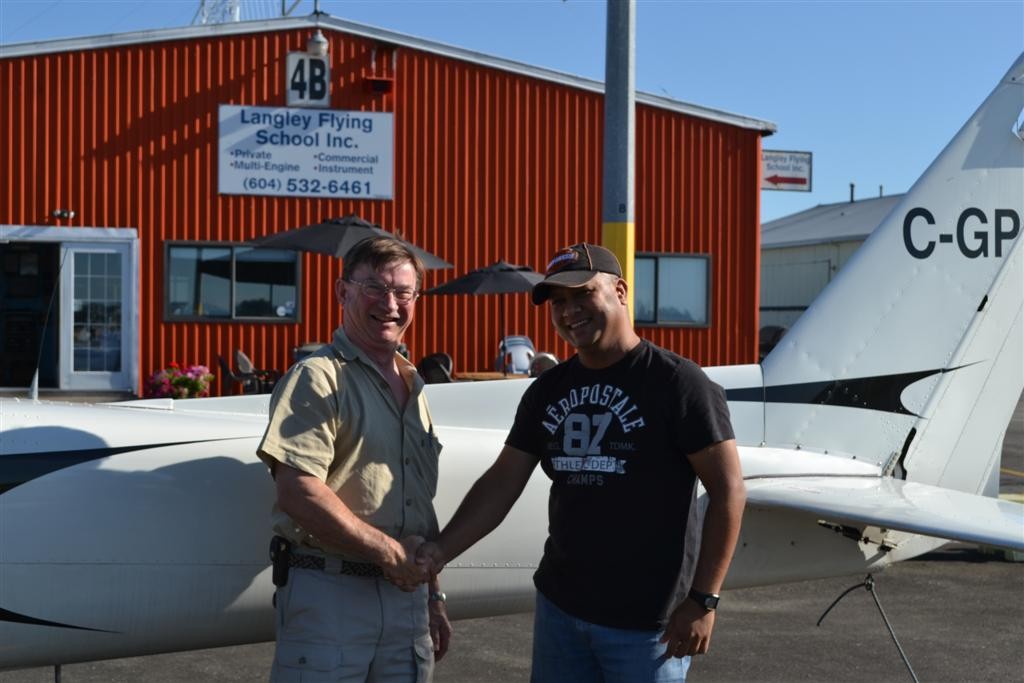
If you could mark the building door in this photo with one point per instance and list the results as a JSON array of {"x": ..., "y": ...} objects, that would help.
[
  {"x": 789, "y": 285},
  {"x": 28, "y": 320},
  {"x": 96, "y": 336}
]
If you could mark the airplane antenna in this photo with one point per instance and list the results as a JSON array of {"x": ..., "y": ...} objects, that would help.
[
  {"x": 869, "y": 584},
  {"x": 33, "y": 389}
]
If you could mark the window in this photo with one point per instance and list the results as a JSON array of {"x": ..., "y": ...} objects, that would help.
[
  {"x": 229, "y": 282},
  {"x": 97, "y": 306},
  {"x": 672, "y": 290}
]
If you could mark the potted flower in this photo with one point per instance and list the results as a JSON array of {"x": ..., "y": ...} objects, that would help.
[{"x": 179, "y": 381}]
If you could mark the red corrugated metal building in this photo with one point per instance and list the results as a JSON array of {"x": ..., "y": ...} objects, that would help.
[{"x": 111, "y": 199}]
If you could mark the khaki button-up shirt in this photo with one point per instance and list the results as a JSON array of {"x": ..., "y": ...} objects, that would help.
[{"x": 334, "y": 416}]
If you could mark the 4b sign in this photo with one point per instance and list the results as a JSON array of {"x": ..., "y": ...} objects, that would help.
[{"x": 307, "y": 80}]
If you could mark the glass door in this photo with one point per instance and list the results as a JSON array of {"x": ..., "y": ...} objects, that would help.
[{"x": 95, "y": 335}]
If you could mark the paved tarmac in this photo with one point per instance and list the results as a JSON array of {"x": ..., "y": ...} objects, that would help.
[{"x": 957, "y": 612}]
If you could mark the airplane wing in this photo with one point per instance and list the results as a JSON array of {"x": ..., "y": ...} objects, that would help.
[{"x": 899, "y": 505}]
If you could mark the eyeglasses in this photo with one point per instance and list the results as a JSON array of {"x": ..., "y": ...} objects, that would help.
[{"x": 372, "y": 289}]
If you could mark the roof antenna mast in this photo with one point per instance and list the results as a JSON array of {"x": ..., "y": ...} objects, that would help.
[{"x": 218, "y": 12}]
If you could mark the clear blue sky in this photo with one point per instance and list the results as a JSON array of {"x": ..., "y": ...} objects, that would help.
[{"x": 873, "y": 89}]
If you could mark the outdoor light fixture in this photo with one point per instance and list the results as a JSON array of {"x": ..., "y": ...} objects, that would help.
[
  {"x": 62, "y": 213},
  {"x": 317, "y": 44}
]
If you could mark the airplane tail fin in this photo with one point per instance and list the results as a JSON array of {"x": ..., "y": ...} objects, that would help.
[{"x": 912, "y": 357}]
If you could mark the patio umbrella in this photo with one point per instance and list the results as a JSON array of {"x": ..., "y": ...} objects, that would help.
[
  {"x": 497, "y": 278},
  {"x": 336, "y": 236}
]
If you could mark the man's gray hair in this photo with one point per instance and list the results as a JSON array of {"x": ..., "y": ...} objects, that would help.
[{"x": 378, "y": 252}]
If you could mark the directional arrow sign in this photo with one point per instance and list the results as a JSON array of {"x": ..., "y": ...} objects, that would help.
[
  {"x": 782, "y": 170},
  {"x": 783, "y": 180}
]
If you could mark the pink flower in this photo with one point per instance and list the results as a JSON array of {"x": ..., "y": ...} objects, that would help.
[{"x": 179, "y": 381}]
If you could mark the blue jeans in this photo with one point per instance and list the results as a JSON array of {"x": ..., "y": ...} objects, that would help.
[{"x": 569, "y": 649}]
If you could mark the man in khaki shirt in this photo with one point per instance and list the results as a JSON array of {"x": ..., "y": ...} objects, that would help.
[{"x": 352, "y": 449}]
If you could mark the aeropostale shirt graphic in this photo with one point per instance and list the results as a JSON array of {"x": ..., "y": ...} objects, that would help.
[
  {"x": 604, "y": 395},
  {"x": 583, "y": 416},
  {"x": 614, "y": 443}
]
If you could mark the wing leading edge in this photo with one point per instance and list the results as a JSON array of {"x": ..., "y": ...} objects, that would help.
[{"x": 897, "y": 505}]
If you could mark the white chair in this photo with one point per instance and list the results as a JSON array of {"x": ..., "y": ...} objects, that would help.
[
  {"x": 264, "y": 379},
  {"x": 541, "y": 362},
  {"x": 515, "y": 353}
]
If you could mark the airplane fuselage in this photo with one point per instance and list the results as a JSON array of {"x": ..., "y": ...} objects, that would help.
[{"x": 184, "y": 503}]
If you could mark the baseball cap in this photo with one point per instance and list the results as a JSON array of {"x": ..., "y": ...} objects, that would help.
[{"x": 575, "y": 266}]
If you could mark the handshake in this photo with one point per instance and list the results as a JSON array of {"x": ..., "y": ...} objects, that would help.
[{"x": 419, "y": 561}]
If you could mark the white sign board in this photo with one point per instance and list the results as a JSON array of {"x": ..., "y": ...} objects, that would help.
[
  {"x": 286, "y": 152},
  {"x": 785, "y": 170},
  {"x": 307, "y": 80}
]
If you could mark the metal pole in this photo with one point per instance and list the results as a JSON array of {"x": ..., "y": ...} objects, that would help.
[{"x": 617, "y": 231}]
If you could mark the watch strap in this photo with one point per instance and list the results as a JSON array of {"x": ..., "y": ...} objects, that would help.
[{"x": 708, "y": 601}]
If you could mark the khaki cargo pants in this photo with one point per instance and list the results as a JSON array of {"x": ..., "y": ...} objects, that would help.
[{"x": 334, "y": 627}]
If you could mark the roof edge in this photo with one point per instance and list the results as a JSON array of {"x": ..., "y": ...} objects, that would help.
[
  {"x": 386, "y": 35},
  {"x": 849, "y": 238}
]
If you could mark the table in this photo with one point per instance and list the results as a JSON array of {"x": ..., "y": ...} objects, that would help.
[{"x": 480, "y": 376}]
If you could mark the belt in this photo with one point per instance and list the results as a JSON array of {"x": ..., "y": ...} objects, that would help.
[{"x": 335, "y": 565}]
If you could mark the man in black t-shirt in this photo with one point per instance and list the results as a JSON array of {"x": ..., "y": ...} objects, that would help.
[{"x": 623, "y": 429}]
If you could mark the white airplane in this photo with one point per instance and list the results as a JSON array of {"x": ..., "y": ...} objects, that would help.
[{"x": 142, "y": 527}]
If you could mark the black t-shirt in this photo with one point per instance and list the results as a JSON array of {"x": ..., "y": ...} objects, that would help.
[{"x": 614, "y": 442}]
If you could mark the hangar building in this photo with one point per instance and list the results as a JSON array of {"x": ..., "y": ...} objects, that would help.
[
  {"x": 136, "y": 166},
  {"x": 802, "y": 252}
]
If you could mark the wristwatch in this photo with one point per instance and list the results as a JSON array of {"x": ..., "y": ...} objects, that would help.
[
  {"x": 708, "y": 601},
  {"x": 438, "y": 596}
]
